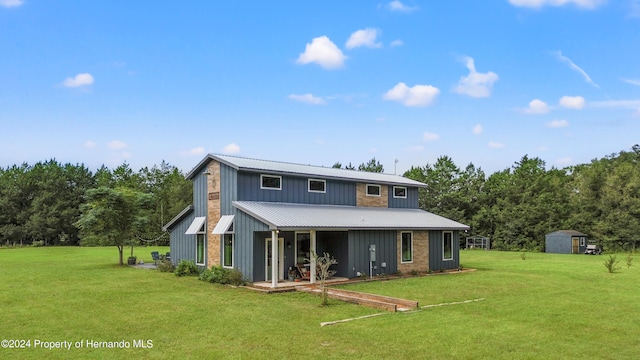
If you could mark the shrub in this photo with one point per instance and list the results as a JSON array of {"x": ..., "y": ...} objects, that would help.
[
  {"x": 166, "y": 266},
  {"x": 612, "y": 264},
  {"x": 523, "y": 255},
  {"x": 187, "y": 268},
  {"x": 413, "y": 272},
  {"x": 629, "y": 260},
  {"x": 37, "y": 243},
  {"x": 221, "y": 275}
]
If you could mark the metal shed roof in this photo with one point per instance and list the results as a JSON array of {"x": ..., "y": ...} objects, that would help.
[
  {"x": 285, "y": 216},
  {"x": 277, "y": 167}
]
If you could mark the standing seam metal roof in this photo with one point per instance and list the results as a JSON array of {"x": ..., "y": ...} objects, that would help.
[
  {"x": 304, "y": 216},
  {"x": 276, "y": 167}
]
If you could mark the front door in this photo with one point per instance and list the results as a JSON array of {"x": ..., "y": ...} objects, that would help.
[
  {"x": 574, "y": 245},
  {"x": 269, "y": 259}
]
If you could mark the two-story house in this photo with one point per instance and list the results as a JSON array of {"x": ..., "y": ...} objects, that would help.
[{"x": 264, "y": 217}]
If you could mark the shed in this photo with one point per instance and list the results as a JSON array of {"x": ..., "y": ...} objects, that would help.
[{"x": 565, "y": 242}]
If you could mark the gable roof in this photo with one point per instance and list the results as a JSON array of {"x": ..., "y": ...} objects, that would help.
[
  {"x": 284, "y": 168},
  {"x": 287, "y": 216},
  {"x": 177, "y": 218}
]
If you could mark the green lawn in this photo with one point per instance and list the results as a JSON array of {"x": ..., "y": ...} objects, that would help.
[{"x": 548, "y": 306}]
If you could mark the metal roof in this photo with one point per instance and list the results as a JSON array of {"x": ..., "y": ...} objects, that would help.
[
  {"x": 277, "y": 167},
  {"x": 286, "y": 216},
  {"x": 223, "y": 225},
  {"x": 196, "y": 225}
]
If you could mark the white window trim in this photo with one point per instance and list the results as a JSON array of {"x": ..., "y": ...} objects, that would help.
[
  {"x": 233, "y": 239},
  {"x": 402, "y": 261},
  {"x": 316, "y": 191},
  {"x": 262, "y": 176},
  {"x": 443, "y": 258},
  {"x": 204, "y": 247},
  {"x": 400, "y": 187},
  {"x": 366, "y": 190}
]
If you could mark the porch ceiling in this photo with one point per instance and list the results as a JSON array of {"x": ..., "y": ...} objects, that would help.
[{"x": 285, "y": 216}]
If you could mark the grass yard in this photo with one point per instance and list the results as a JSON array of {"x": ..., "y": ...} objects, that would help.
[{"x": 547, "y": 306}]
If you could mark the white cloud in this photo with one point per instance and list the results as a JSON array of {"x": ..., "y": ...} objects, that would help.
[
  {"x": 11, "y": 3},
  {"x": 566, "y": 161},
  {"x": 495, "y": 145},
  {"x": 89, "y": 144},
  {"x": 430, "y": 136},
  {"x": 572, "y": 102},
  {"x": 307, "y": 99},
  {"x": 197, "y": 150},
  {"x": 231, "y": 149},
  {"x": 117, "y": 145},
  {"x": 398, "y": 6},
  {"x": 418, "y": 95},
  {"x": 585, "y": 4},
  {"x": 78, "y": 80},
  {"x": 478, "y": 129},
  {"x": 558, "y": 123},
  {"x": 324, "y": 52},
  {"x": 397, "y": 42},
  {"x": 475, "y": 84},
  {"x": 365, "y": 37},
  {"x": 537, "y": 107},
  {"x": 575, "y": 68},
  {"x": 632, "y": 81}
]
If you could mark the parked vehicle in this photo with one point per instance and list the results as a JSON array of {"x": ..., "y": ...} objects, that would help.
[{"x": 593, "y": 250}]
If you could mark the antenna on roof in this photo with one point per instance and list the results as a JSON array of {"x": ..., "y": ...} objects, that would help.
[{"x": 394, "y": 167}]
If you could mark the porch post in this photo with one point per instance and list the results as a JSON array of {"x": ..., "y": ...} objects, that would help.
[
  {"x": 312, "y": 261},
  {"x": 274, "y": 258}
]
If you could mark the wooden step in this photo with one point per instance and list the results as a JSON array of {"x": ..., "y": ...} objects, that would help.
[{"x": 371, "y": 300}]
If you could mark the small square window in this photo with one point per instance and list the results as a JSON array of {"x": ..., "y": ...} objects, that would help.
[
  {"x": 373, "y": 190},
  {"x": 319, "y": 186},
  {"x": 400, "y": 192},
  {"x": 271, "y": 182}
]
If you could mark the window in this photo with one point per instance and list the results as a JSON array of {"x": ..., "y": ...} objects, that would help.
[
  {"x": 271, "y": 182},
  {"x": 447, "y": 245},
  {"x": 227, "y": 250},
  {"x": 407, "y": 247},
  {"x": 319, "y": 186},
  {"x": 400, "y": 192},
  {"x": 200, "y": 249},
  {"x": 582, "y": 241},
  {"x": 373, "y": 190}
]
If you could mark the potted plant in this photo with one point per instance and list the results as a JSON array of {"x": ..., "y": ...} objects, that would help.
[{"x": 131, "y": 260}]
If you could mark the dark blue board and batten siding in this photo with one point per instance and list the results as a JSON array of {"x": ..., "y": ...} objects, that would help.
[
  {"x": 436, "y": 261},
  {"x": 182, "y": 247},
  {"x": 295, "y": 189},
  {"x": 359, "y": 242},
  {"x": 410, "y": 202}
]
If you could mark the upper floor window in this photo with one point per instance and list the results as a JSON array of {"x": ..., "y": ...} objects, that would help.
[
  {"x": 319, "y": 186},
  {"x": 271, "y": 182},
  {"x": 400, "y": 192},
  {"x": 373, "y": 190}
]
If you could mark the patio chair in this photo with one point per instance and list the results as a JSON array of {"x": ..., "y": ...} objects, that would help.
[
  {"x": 155, "y": 256},
  {"x": 304, "y": 272},
  {"x": 168, "y": 256}
]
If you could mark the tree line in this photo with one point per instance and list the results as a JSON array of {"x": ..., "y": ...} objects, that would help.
[
  {"x": 515, "y": 207},
  {"x": 518, "y": 206},
  {"x": 41, "y": 204}
]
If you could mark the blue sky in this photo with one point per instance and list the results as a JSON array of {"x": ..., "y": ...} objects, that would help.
[{"x": 315, "y": 82}]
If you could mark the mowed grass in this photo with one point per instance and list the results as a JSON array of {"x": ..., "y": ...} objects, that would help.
[{"x": 547, "y": 306}]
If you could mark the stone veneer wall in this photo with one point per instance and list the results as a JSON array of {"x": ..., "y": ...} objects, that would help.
[
  {"x": 213, "y": 213},
  {"x": 372, "y": 201},
  {"x": 420, "y": 252}
]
